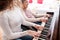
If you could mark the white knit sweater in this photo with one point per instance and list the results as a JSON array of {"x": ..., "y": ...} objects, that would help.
[{"x": 11, "y": 22}]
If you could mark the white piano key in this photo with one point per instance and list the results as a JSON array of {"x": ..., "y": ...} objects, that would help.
[
  {"x": 41, "y": 39},
  {"x": 43, "y": 24}
]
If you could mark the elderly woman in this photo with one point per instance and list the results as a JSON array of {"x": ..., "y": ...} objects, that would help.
[
  {"x": 11, "y": 19},
  {"x": 32, "y": 17},
  {"x": 29, "y": 16}
]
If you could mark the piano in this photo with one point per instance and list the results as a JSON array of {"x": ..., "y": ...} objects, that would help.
[
  {"x": 45, "y": 31},
  {"x": 50, "y": 30}
]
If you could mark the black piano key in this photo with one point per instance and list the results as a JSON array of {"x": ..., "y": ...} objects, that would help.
[
  {"x": 48, "y": 26},
  {"x": 43, "y": 36},
  {"x": 44, "y": 32},
  {"x": 48, "y": 23},
  {"x": 50, "y": 19}
]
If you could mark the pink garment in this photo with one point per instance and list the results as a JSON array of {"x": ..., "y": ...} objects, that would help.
[{"x": 29, "y": 14}]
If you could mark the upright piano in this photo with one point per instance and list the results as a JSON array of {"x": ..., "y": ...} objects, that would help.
[{"x": 50, "y": 30}]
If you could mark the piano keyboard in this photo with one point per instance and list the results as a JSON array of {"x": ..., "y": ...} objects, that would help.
[{"x": 45, "y": 30}]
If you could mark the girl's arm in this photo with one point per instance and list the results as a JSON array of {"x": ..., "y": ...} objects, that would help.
[{"x": 7, "y": 30}]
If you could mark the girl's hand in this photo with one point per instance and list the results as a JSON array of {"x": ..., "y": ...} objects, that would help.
[{"x": 33, "y": 33}]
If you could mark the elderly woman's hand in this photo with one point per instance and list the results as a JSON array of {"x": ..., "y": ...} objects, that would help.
[
  {"x": 47, "y": 15},
  {"x": 44, "y": 19},
  {"x": 39, "y": 27}
]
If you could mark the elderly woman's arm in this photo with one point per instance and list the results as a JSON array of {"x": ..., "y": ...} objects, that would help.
[
  {"x": 30, "y": 19},
  {"x": 39, "y": 15}
]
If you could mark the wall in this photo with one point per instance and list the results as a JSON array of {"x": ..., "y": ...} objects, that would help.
[{"x": 47, "y": 4}]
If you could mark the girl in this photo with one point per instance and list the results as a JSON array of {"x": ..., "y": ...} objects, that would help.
[{"x": 11, "y": 19}]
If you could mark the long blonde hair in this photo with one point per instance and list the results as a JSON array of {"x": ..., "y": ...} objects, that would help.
[{"x": 8, "y": 4}]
